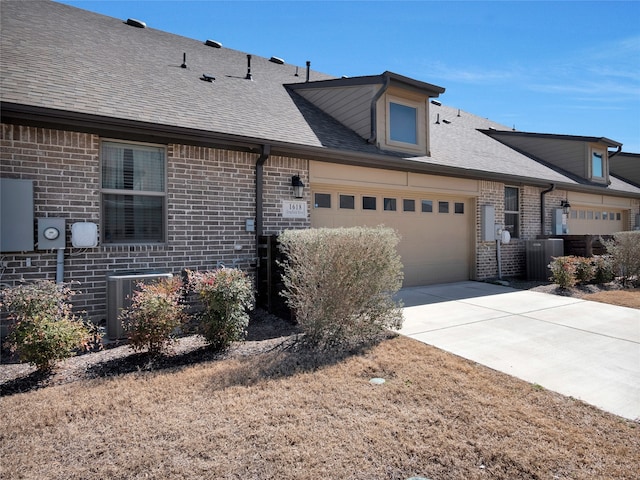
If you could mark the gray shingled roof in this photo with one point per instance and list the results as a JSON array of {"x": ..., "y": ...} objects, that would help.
[
  {"x": 57, "y": 56},
  {"x": 60, "y": 57}
]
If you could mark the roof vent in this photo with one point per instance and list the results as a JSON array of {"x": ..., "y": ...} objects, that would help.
[
  {"x": 277, "y": 60},
  {"x": 135, "y": 23},
  {"x": 249, "y": 76},
  {"x": 438, "y": 120},
  {"x": 207, "y": 78},
  {"x": 184, "y": 60},
  {"x": 213, "y": 43},
  {"x": 446, "y": 121},
  {"x": 296, "y": 74},
  {"x": 435, "y": 102}
]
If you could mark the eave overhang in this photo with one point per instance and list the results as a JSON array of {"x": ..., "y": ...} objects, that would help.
[
  {"x": 395, "y": 79},
  {"x": 157, "y": 133}
]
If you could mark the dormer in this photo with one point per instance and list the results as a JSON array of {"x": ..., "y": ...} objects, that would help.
[
  {"x": 388, "y": 110},
  {"x": 585, "y": 157}
]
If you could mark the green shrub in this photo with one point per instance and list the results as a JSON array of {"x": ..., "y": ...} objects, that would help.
[
  {"x": 584, "y": 270},
  {"x": 154, "y": 315},
  {"x": 625, "y": 253},
  {"x": 45, "y": 329},
  {"x": 227, "y": 296},
  {"x": 603, "y": 269},
  {"x": 340, "y": 282},
  {"x": 563, "y": 271}
]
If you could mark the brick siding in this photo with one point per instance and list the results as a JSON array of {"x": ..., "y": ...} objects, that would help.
[
  {"x": 513, "y": 260},
  {"x": 210, "y": 194}
]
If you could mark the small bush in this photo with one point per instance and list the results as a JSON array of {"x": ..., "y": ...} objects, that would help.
[
  {"x": 227, "y": 296},
  {"x": 45, "y": 329},
  {"x": 154, "y": 315},
  {"x": 603, "y": 269},
  {"x": 340, "y": 283},
  {"x": 584, "y": 270},
  {"x": 563, "y": 271},
  {"x": 625, "y": 253}
]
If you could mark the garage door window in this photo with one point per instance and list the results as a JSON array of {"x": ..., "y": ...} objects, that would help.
[
  {"x": 390, "y": 204},
  {"x": 322, "y": 200},
  {"x": 427, "y": 206},
  {"x": 348, "y": 202},
  {"x": 368, "y": 203},
  {"x": 409, "y": 205},
  {"x": 458, "y": 208},
  {"x": 443, "y": 207}
]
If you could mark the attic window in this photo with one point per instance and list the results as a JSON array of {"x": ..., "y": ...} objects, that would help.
[
  {"x": 597, "y": 164},
  {"x": 597, "y": 167},
  {"x": 136, "y": 23},
  {"x": 403, "y": 123}
]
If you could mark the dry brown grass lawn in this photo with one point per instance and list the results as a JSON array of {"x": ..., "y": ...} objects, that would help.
[
  {"x": 288, "y": 415},
  {"x": 625, "y": 298}
]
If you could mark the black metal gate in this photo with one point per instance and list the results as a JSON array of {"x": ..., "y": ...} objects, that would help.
[{"x": 269, "y": 282}]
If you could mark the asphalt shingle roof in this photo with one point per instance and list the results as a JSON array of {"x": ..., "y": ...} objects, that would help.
[{"x": 60, "y": 57}]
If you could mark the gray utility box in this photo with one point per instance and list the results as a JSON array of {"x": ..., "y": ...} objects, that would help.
[
  {"x": 539, "y": 254},
  {"x": 120, "y": 287}
]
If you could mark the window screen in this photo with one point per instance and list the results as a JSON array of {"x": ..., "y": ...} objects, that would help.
[{"x": 133, "y": 193}]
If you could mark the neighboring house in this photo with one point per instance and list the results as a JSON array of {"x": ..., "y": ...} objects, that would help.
[{"x": 182, "y": 152}]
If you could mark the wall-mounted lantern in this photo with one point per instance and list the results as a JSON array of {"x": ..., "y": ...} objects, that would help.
[
  {"x": 566, "y": 207},
  {"x": 298, "y": 186}
]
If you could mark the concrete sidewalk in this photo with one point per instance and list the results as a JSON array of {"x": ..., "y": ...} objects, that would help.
[{"x": 587, "y": 350}]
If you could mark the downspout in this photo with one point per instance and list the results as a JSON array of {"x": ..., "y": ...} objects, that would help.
[
  {"x": 374, "y": 118},
  {"x": 266, "y": 150},
  {"x": 616, "y": 152},
  {"x": 542, "y": 206}
]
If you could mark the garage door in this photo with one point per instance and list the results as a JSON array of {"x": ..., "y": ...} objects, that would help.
[
  {"x": 596, "y": 221},
  {"x": 436, "y": 230}
]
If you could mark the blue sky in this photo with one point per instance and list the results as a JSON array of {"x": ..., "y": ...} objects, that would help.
[{"x": 566, "y": 67}]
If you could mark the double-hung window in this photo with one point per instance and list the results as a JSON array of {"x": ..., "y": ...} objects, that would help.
[
  {"x": 512, "y": 211},
  {"x": 133, "y": 193}
]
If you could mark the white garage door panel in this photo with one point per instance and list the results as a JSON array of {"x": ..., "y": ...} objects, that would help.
[
  {"x": 435, "y": 247},
  {"x": 596, "y": 220}
]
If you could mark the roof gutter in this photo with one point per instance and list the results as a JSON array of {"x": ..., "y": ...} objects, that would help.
[
  {"x": 158, "y": 133},
  {"x": 542, "y": 206},
  {"x": 616, "y": 152}
]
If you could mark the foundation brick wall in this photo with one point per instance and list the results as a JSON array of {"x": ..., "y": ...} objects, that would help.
[{"x": 210, "y": 194}]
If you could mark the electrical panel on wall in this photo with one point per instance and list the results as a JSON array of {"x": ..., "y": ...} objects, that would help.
[{"x": 16, "y": 215}]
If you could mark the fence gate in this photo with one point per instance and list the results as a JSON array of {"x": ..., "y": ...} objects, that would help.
[{"x": 269, "y": 278}]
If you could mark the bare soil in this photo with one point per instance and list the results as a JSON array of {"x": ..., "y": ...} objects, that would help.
[{"x": 266, "y": 409}]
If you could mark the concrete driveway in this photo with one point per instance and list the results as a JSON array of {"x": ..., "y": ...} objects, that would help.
[{"x": 587, "y": 350}]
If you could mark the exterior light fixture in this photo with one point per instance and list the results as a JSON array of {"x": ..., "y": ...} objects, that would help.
[
  {"x": 566, "y": 207},
  {"x": 298, "y": 186}
]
